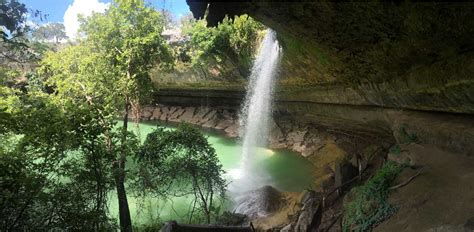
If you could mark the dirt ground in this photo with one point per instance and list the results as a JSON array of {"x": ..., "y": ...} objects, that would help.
[{"x": 440, "y": 199}]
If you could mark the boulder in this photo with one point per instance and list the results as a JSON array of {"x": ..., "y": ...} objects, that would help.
[
  {"x": 148, "y": 108},
  {"x": 169, "y": 226},
  {"x": 310, "y": 214},
  {"x": 233, "y": 130},
  {"x": 164, "y": 113},
  {"x": 208, "y": 117},
  {"x": 232, "y": 219},
  {"x": 187, "y": 115},
  {"x": 146, "y": 113},
  {"x": 156, "y": 114},
  {"x": 221, "y": 125},
  {"x": 227, "y": 114},
  {"x": 173, "y": 109},
  {"x": 174, "y": 117},
  {"x": 299, "y": 147},
  {"x": 296, "y": 136},
  {"x": 199, "y": 115},
  {"x": 260, "y": 202},
  {"x": 212, "y": 123},
  {"x": 304, "y": 196},
  {"x": 308, "y": 151}
]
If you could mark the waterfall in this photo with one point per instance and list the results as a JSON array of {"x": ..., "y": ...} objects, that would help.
[{"x": 256, "y": 111}]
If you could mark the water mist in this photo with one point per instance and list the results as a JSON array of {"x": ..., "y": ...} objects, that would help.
[{"x": 255, "y": 115}]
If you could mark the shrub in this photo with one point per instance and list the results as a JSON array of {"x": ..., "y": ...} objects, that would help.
[
  {"x": 406, "y": 137},
  {"x": 368, "y": 204}
]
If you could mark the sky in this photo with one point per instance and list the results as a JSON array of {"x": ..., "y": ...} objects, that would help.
[{"x": 66, "y": 11}]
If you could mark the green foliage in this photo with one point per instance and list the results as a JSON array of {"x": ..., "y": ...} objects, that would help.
[
  {"x": 51, "y": 32},
  {"x": 14, "y": 46},
  {"x": 179, "y": 163},
  {"x": 59, "y": 152},
  {"x": 105, "y": 74},
  {"x": 129, "y": 37},
  {"x": 55, "y": 167},
  {"x": 152, "y": 227},
  {"x": 12, "y": 19},
  {"x": 79, "y": 75},
  {"x": 7, "y": 76},
  {"x": 232, "y": 41},
  {"x": 405, "y": 137},
  {"x": 368, "y": 205}
]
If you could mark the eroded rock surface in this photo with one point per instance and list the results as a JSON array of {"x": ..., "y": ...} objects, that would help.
[
  {"x": 439, "y": 199},
  {"x": 260, "y": 202},
  {"x": 304, "y": 138}
]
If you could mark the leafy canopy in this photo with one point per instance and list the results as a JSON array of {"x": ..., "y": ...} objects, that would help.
[
  {"x": 52, "y": 32},
  {"x": 54, "y": 165},
  {"x": 233, "y": 40},
  {"x": 181, "y": 162}
]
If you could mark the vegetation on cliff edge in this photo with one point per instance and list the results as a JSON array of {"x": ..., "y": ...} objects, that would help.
[{"x": 367, "y": 205}]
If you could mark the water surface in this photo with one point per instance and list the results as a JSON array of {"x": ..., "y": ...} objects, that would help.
[{"x": 287, "y": 170}]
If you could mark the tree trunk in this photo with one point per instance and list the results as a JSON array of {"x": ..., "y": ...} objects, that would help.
[
  {"x": 124, "y": 211},
  {"x": 203, "y": 199}
]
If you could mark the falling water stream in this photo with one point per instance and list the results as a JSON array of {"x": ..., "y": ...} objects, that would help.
[
  {"x": 254, "y": 118},
  {"x": 258, "y": 165},
  {"x": 256, "y": 110}
]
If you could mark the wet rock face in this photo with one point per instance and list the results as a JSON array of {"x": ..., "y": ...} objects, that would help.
[
  {"x": 307, "y": 128},
  {"x": 402, "y": 55},
  {"x": 260, "y": 202},
  {"x": 300, "y": 137},
  {"x": 362, "y": 69},
  {"x": 309, "y": 216},
  {"x": 220, "y": 119},
  {"x": 302, "y": 114}
]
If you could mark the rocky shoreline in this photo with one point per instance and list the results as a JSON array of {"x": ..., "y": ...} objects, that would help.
[
  {"x": 334, "y": 154},
  {"x": 284, "y": 134}
]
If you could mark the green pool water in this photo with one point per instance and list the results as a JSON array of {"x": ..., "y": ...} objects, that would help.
[{"x": 287, "y": 170}]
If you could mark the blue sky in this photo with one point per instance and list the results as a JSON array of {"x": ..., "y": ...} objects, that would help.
[{"x": 66, "y": 10}]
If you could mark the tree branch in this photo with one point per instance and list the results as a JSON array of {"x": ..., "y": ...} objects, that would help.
[{"x": 407, "y": 181}]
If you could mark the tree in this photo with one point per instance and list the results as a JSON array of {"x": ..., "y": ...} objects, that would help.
[
  {"x": 180, "y": 163},
  {"x": 82, "y": 78},
  {"x": 12, "y": 18},
  {"x": 50, "y": 32},
  {"x": 233, "y": 40},
  {"x": 53, "y": 165},
  {"x": 7, "y": 76},
  {"x": 13, "y": 26},
  {"x": 128, "y": 35}
]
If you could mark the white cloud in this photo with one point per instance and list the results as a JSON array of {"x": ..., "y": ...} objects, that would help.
[{"x": 80, "y": 7}]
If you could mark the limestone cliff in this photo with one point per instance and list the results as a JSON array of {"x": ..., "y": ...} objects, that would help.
[
  {"x": 355, "y": 79},
  {"x": 400, "y": 55},
  {"x": 362, "y": 69}
]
